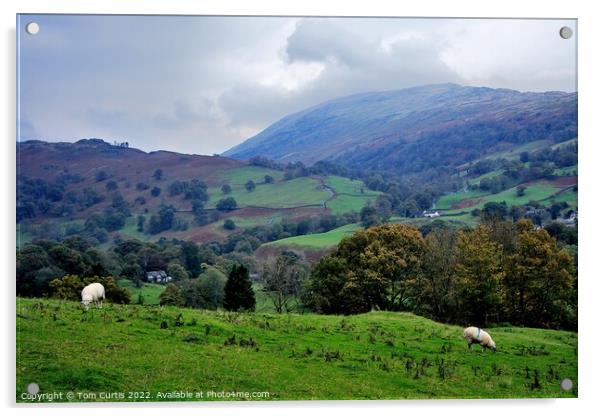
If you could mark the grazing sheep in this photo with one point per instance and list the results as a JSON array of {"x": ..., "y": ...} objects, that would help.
[
  {"x": 474, "y": 335},
  {"x": 94, "y": 292}
]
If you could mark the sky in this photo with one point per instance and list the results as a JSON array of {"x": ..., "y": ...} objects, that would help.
[{"x": 201, "y": 85}]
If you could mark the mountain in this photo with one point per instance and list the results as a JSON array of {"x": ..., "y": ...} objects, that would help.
[{"x": 413, "y": 129}]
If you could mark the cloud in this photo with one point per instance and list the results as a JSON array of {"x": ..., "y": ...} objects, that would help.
[{"x": 204, "y": 84}]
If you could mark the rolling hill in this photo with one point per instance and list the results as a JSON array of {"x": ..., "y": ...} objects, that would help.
[
  {"x": 378, "y": 355},
  {"x": 62, "y": 185},
  {"x": 414, "y": 129}
]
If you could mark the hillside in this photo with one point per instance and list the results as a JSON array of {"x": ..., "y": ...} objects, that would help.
[
  {"x": 62, "y": 185},
  {"x": 379, "y": 355},
  {"x": 414, "y": 129}
]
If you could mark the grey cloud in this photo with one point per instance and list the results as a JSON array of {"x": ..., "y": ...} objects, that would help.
[{"x": 204, "y": 84}]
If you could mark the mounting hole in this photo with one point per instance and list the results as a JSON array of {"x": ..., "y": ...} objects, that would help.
[
  {"x": 566, "y": 384},
  {"x": 33, "y": 388},
  {"x": 566, "y": 32},
  {"x": 32, "y": 28}
]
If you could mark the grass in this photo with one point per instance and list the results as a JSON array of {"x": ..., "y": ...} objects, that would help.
[
  {"x": 542, "y": 191},
  {"x": 150, "y": 291},
  {"x": 284, "y": 194},
  {"x": 348, "y": 203},
  {"x": 566, "y": 171},
  {"x": 447, "y": 201},
  {"x": 379, "y": 355},
  {"x": 319, "y": 240},
  {"x": 351, "y": 195},
  {"x": 568, "y": 195},
  {"x": 349, "y": 186},
  {"x": 237, "y": 177}
]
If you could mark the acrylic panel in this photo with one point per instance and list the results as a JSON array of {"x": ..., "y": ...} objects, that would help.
[{"x": 216, "y": 208}]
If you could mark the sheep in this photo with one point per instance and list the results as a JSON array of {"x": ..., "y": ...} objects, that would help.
[
  {"x": 474, "y": 335},
  {"x": 94, "y": 292}
]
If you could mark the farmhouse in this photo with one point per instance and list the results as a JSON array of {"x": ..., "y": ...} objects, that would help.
[
  {"x": 430, "y": 214},
  {"x": 570, "y": 221},
  {"x": 158, "y": 276}
]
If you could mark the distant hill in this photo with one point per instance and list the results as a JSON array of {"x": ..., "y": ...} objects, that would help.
[
  {"x": 414, "y": 129},
  {"x": 62, "y": 185}
]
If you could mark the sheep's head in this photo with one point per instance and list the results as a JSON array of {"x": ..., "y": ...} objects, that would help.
[
  {"x": 86, "y": 303},
  {"x": 493, "y": 346}
]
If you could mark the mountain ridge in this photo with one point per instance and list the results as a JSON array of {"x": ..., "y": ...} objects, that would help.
[{"x": 373, "y": 128}]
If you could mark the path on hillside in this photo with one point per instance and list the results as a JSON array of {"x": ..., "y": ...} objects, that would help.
[{"x": 331, "y": 191}]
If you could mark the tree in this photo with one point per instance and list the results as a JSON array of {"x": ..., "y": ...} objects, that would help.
[
  {"x": 163, "y": 220},
  {"x": 197, "y": 190},
  {"x": 172, "y": 295},
  {"x": 328, "y": 280},
  {"x": 369, "y": 217},
  {"x": 226, "y": 189},
  {"x": 211, "y": 287},
  {"x": 200, "y": 214},
  {"x": 282, "y": 280},
  {"x": 520, "y": 190},
  {"x": 435, "y": 288},
  {"x": 191, "y": 256},
  {"x": 238, "y": 292},
  {"x": 155, "y": 191},
  {"x": 101, "y": 175},
  {"x": 393, "y": 254},
  {"x": 229, "y": 224},
  {"x": 477, "y": 275},
  {"x": 268, "y": 179},
  {"x": 539, "y": 281},
  {"x": 250, "y": 185},
  {"x": 111, "y": 186},
  {"x": 114, "y": 221},
  {"x": 177, "y": 271},
  {"x": 373, "y": 268},
  {"x": 226, "y": 204},
  {"x": 140, "y": 223},
  {"x": 158, "y": 175}
]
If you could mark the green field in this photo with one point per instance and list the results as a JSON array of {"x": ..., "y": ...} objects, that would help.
[
  {"x": 284, "y": 194},
  {"x": 351, "y": 195},
  {"x": 542, "y": 191},
  {"x": 379, "y": 355},
  {"x": 319, "y": 240},
  {"x": 150, "y": 291}
]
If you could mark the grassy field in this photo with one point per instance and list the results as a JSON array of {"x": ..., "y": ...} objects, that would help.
[
  {"x": 351, "y": 195},
  {"x": 150, "y": 291},
  {"x": 543, "y": 191},
  {"x": 319, "y": 240},
  {"x": 285, "y": 194},
  {"x": 379, "y": 355}
]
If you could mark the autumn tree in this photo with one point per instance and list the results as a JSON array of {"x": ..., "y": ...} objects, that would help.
[
  {"x": 172, "y": 295},
  {"x": 435, "y": 289},
  {"x": 477, "y": 275},
  {"x": 539, "y": 280},
  {"x": 373, "y": 268}
]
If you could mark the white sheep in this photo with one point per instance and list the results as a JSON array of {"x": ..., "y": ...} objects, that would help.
[
  {"x": 94, "y": 292},
  {"x": 474, "y": 335}
]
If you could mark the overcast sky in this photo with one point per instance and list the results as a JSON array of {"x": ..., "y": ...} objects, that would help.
[{"x": 204, "y": 84}]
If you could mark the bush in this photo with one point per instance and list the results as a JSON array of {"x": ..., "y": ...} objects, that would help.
[
  {"x": 229, "y": 224},
  {"x": 70, "y": 287},
  {"x": 226, "y": 204},
  {"x": 172, "y": 295}
]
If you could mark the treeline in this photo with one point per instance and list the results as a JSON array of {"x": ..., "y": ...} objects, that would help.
[{"x": 499, "y": 272}]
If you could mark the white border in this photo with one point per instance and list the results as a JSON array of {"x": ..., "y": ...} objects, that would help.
[{"x": 590, "y": 139}]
